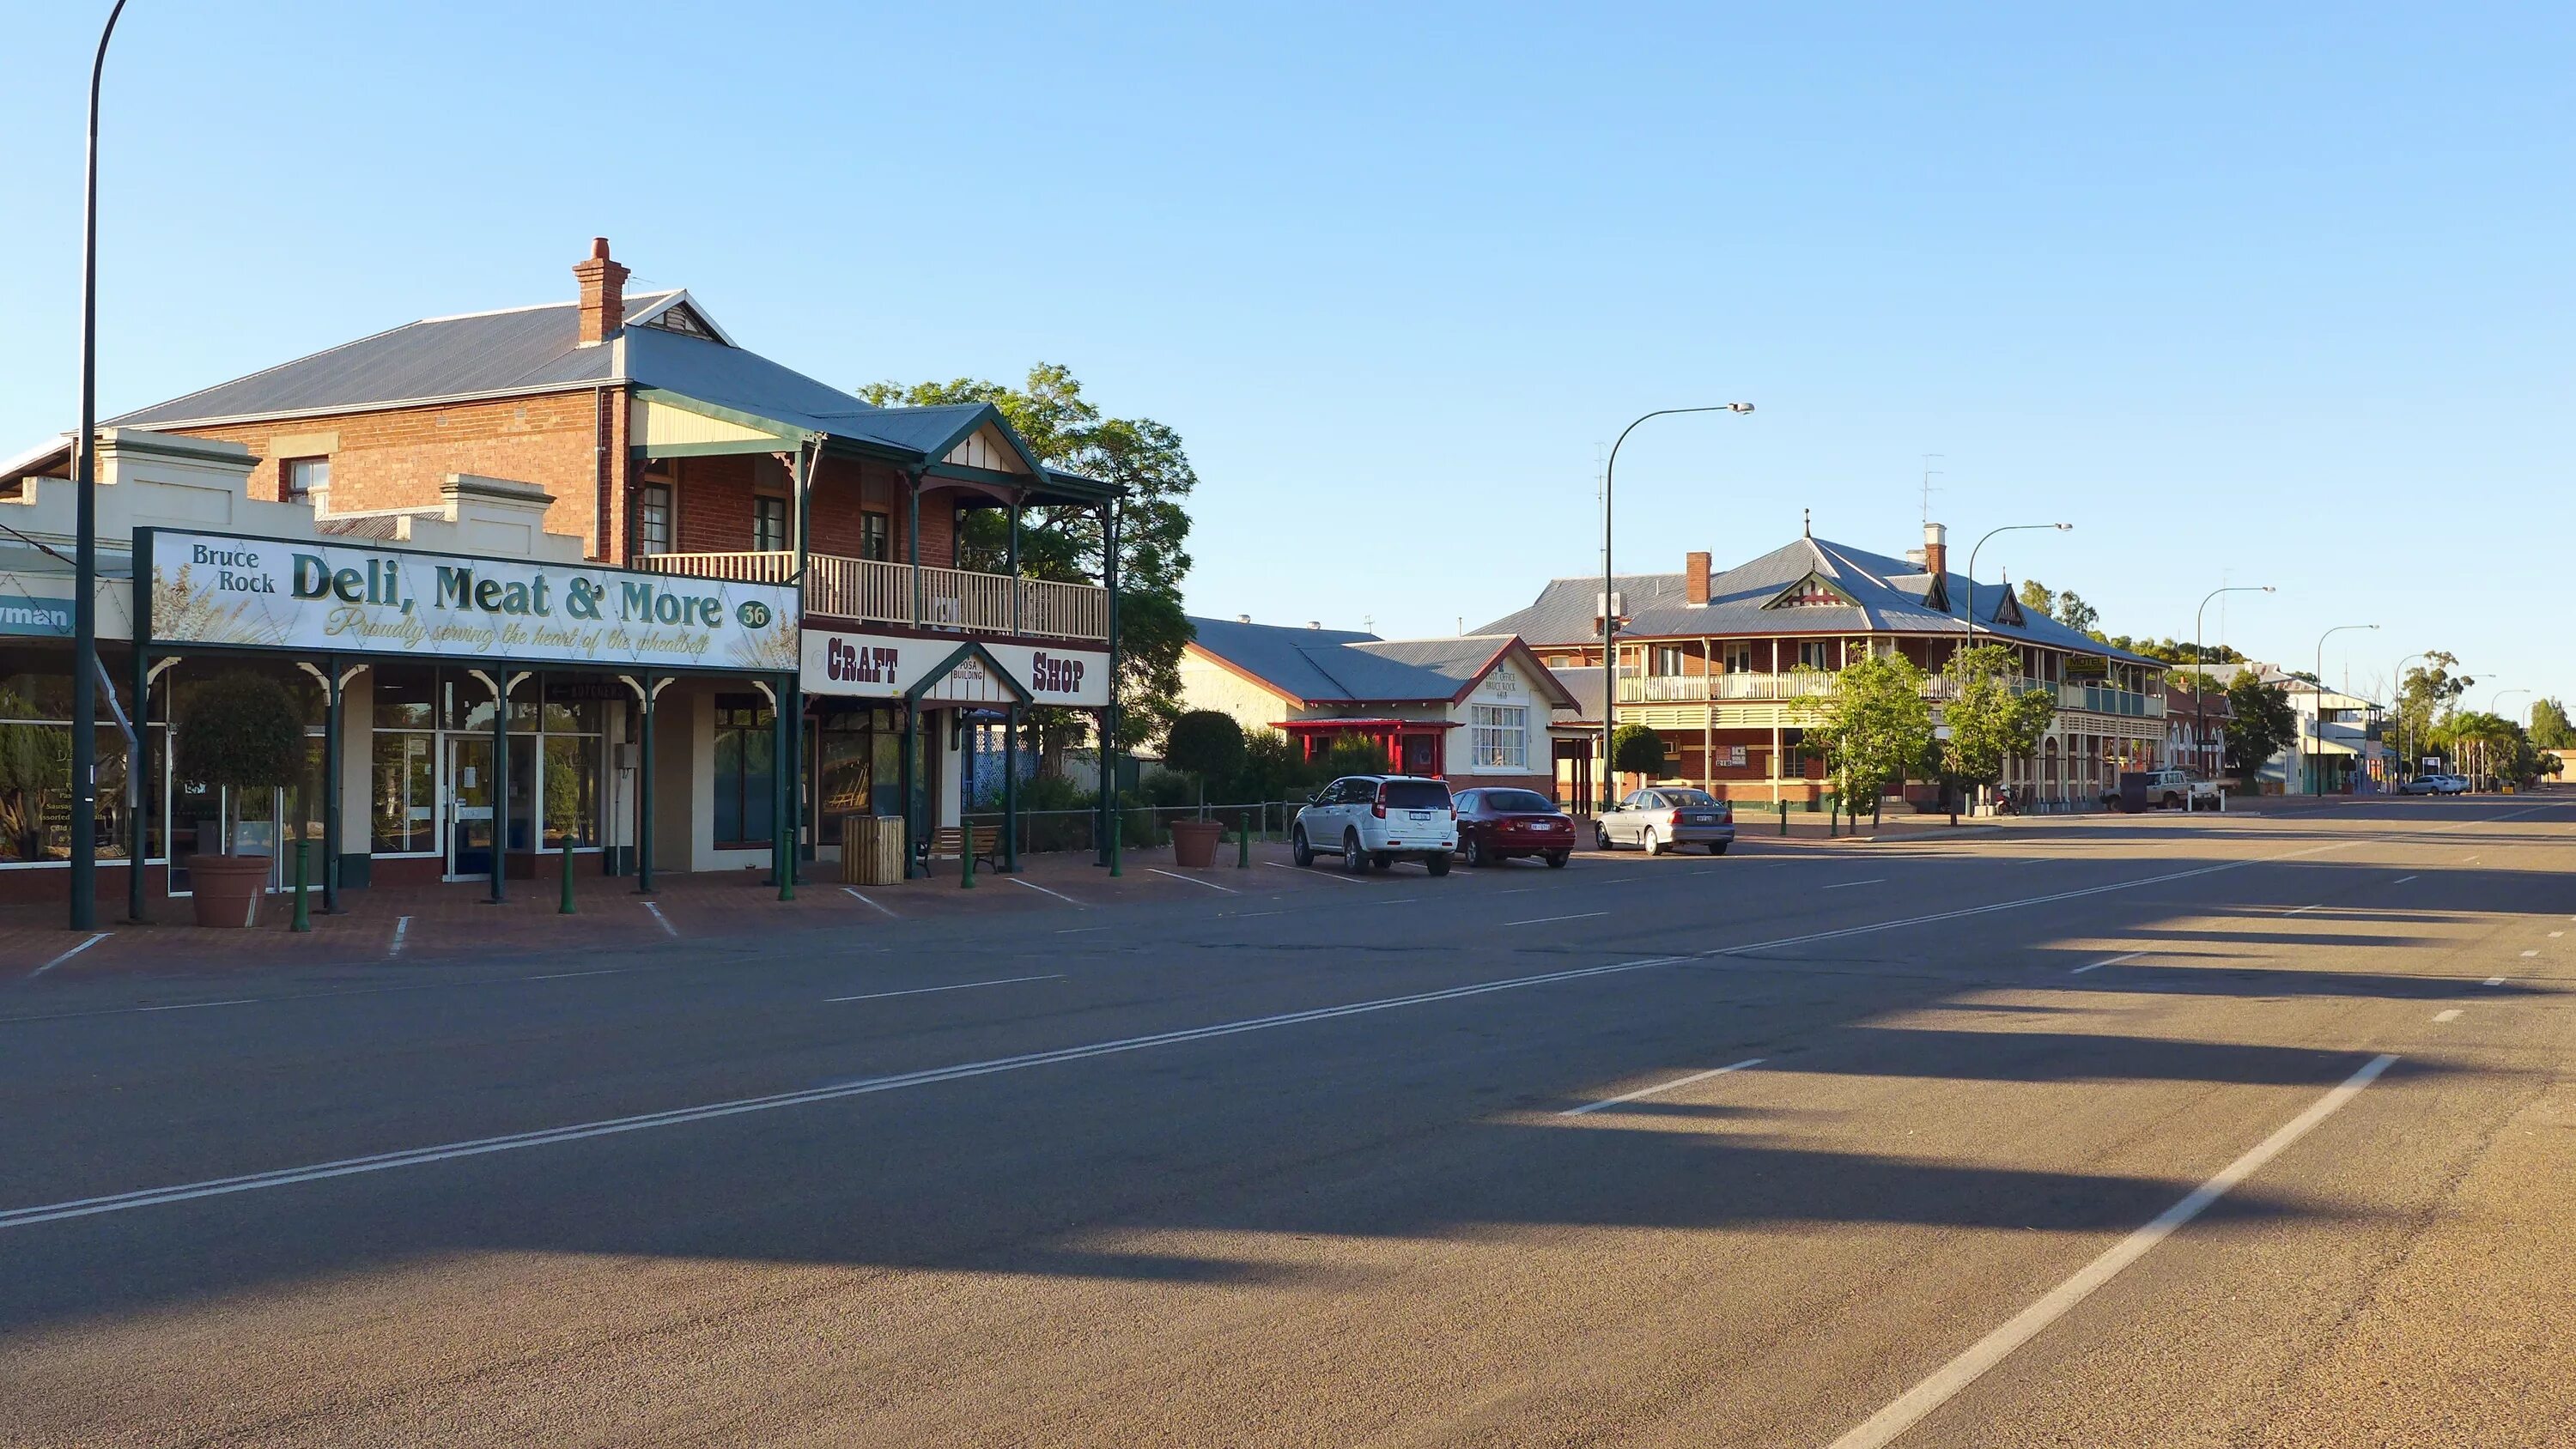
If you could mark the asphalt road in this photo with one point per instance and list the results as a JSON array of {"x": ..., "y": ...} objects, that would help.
[{"x": 2208, "y": 1131}]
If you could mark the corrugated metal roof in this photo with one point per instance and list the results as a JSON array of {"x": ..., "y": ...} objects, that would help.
[
  {"x": 1342, "y": 666},
  {"x": 1886, "y": 593}
]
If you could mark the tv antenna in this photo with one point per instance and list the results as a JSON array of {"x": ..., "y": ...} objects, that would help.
[{"x": 1930, "y": 473}]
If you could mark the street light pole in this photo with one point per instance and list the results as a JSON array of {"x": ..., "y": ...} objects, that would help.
[
  {"x": 2495, "y": 706},
  {"x": 2397, "y": 699},
  {"x": 2317, "y": 771},
  {"x": 2200, "y": 656},
  {"x": 85, "y": 670},
  {"x": 1609, "y": 613},
  {"x": 1972, "y": 575}
]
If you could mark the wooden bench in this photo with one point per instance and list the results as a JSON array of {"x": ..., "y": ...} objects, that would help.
[{"x": 948, "y": 841}]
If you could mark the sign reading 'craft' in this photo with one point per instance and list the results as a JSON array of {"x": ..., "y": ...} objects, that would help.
[
  {"x": 889, "y": 665},
  {"x": 333, "y": 598}
]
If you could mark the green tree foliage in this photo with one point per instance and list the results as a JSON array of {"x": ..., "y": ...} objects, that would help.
[
  {"x": 1207, "y": 744},
  {"x": 1348, "y": 755},
  {"x": 2428, "y": 693},
  {"x": 2489, "y": 747},
  {"x": 2177, "y": 651},
  {"x": 2263, "y": 721},
  {"x": 2550, "y": 729},
  {"x": 2065, "y": 606},
  {"x": 1064, "y": 544},
  {"x": 1636, "y": 750},
  {"x": 1875, "y": 727},
  {"x": 1991, "y": 721},
  {"x": 240, "y": 730},
  {"x": 35, "y": 772}
]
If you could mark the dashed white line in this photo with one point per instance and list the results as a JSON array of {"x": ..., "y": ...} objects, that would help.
[
  {"x": 1083, "y": 930},
  {"x": 2451, "y": 1015},
  {"x": 2303, "y": 910},
  {"x": 1543, "y": 920},
  {"x": 1660, "y": 1088},
  {"x": 1248, "y": 915},
  {"x": 2106, "y": 961},
  {"x": 67, "y": 955},
  {"x": 1844, "y": 885},
  {"x": 2401, "y": 880},
  {"x": 863, "y": 900},
  {"x": 1042, "y": 890},
  {"x": 193, "y": 1005},
  {"x": 1885, "y": 1425},
  {"x": 569, "y": 975},
  {"x": 960, "y": 986},
  {"x": 2554, "y": 935},
  {"x": 2495, "y": 981},
  {"x": 662, "y": 920},
  {"x": 1194, "y": 880},
  {"x": 2529, "y": 954},
  {"x": 1330, "y": 875},
  {"x": 402, "y": 932}
]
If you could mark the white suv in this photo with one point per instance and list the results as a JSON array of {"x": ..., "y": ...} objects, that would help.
[{"x": 1372, "y": 820}]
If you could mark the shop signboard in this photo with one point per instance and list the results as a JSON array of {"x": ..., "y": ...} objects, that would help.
[
  {"x": 338, "y": 598},
  {"x": 886, "y": 666}
]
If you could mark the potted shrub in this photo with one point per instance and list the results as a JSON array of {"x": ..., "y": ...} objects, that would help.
[
  {"x": 1201, "y": 743},
  {"x": 240, "y": 731}
]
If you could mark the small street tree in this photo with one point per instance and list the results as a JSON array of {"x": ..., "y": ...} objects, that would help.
[
  {"x": 1875, "y": 726},
  {"x": 2262, "y": 722},
  {"x": 1204, "y": 743},
  {"x": 1636, "y": 750},
  {"x": 2550, "y": 729},
  {"x": 1991, "y": 722}
]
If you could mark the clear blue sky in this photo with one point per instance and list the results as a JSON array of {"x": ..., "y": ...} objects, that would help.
[{"x": 2284, "y": 298}]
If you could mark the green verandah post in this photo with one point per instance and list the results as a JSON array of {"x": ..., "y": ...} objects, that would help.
[{"x": 565, "y": 907}]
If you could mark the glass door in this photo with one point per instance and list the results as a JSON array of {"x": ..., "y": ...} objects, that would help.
[{"x": 469, "y": 806}]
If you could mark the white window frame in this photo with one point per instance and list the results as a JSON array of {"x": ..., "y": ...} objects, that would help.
[{"x": 1498, "y": 736}]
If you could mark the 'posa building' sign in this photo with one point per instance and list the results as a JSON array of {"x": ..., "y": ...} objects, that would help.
[{"x": 338, "y": 599}]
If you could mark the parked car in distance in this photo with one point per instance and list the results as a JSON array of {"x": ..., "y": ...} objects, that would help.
[
  {"x": 2175, "y": 790},
  {"x": 2435, "y": 785},
  {"x": 1372, "y": 821},
  {"x": 1497, "y": 824},
  {"x": 1667, "y": 816}
]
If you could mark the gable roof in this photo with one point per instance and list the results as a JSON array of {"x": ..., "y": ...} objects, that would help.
[
  {"x": 1887, "y": 595},
  {"x": 529, "y": 350},
  {"x": 1343, "y": 666}
]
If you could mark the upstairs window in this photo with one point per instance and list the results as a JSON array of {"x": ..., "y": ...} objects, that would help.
[
  {"x": 769, "y": 524},
  {"x": 305, "y": 477},
  {"x": 653, "y": 518},
  {"x": 876, "y": 536}
]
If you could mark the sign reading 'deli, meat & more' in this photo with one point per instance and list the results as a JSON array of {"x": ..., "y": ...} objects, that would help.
[
  {"x": 351, "y": 599},
  {"x": 887, "y": 666}
]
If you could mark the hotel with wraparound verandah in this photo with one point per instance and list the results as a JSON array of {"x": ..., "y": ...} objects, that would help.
[
  {"x": 1716, "y": 662},
  {"x": 622, "y": 451}
]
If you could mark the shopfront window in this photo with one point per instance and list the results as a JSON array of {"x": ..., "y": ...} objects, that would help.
[
  {"x": 745, "y": 770},
  {"x": 36, "y": 765}
]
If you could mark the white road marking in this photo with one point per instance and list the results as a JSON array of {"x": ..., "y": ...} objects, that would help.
[
  {"x": 1660, "y": 1088},
  {"x": 1517, "y": 891},
  {"x": 1194, "y": 880},
  {"x": 1083, "y": 930},
  {"x": 2401, "y": 880},
  {"x": 67, "y": 955},
  {"x": 1844, "y": 885},
  {"x": 1543, "y": 920},
  {"x": 865, "y": 1086},
  {"x": 2528, "y": 954},
  {"x": 2303, "y": 910},
  {"x": 1248, "y": 915},
  {"x": 569, "y": 975},
  {"x": 402, "y": 929},
  {"x": 662, "y": 920},
  {"x": 2554, "y": 935},
  {"x": 2106, "y": 961},
  {"x": 2451, "y": 1015},
  {"x": 863, "y": 900},
  {"x": 2495, "y": 981},
  {"x": 960, "y": 986},
  {"x": 1885, "y": 1425},
  {"x": 1042, "y": 890},
  {"x": 1396, "y": 901},
  {"x": 1331, "y": 875},
  {"x": 193, "y": 1005}
]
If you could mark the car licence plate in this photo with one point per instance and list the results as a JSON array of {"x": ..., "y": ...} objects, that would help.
[{"x": 1417, "y": 814}]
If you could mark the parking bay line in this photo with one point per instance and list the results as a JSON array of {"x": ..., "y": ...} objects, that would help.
[
  {"x": 863, "y": 900},
  {"x": 2108, "y": 961},
  {"x": 662, "y": 920},
  {"x": 67, "y": 955},
  {"x": 1042, "y": 890},
  {"x": 959, "y": 986},
  {"x": 1543, "y": 920},
  {"x": 1194, "y": 880},
  {"x": 1340, "y": 877},
  {"x": 422, "y": 1156},
  {"x": 1660, "y": 1088},
  {"x": 1844, "y": 885},
  {"x": 1884, "y": 1426}
]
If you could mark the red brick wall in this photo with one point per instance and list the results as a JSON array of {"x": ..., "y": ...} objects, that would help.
[
  {"x": 713, "y": 499},
  {"x": 397, "y": 458}
]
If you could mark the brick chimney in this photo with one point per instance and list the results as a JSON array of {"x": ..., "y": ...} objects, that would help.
[
  {"x": 1695, "y": 577},
  {"x": 603, "y": 294},
  {"x": 1936, "y": 550}
]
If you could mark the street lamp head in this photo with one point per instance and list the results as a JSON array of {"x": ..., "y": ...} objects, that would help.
[
  {"x": 2063, "y": 527},
  {"x": 1739, "y": 407},
  {"x": 2267, "y": 588}
]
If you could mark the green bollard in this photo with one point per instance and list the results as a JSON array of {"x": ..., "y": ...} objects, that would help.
[
  {"x": 303, "y": 854},
  {"x": 966, "y": 857},
  {"x": 1242, "y": 842},
  {"x": 565, "y": 909},
  {"x": 1114, "y": 823},
  {"x": 1784, "y": 817}
]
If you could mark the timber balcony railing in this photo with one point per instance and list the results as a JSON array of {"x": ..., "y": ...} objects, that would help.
[
  {"x": 893, "y": 593},
  {"x": 1805, "y": 683}
]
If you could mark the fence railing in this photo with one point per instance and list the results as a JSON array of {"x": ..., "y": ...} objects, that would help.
[
  {"x": 893, "y": 593},
  {"x": 1141, "y": 827}
]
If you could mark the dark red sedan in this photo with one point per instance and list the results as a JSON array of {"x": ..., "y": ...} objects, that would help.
[{"x": 1495, "y": 825}]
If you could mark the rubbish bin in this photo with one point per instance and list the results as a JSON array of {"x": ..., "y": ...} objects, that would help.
[
  {"x": 2133, "y": 792},
  {"x": 871, "y": 849}
]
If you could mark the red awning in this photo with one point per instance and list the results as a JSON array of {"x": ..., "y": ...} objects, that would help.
[{"x": 1368, "y": 724}]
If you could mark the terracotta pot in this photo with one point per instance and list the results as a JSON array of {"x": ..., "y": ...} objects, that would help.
[
  {"x": 1194, "y": 842},
  {"x": 227, "y": 888}
]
